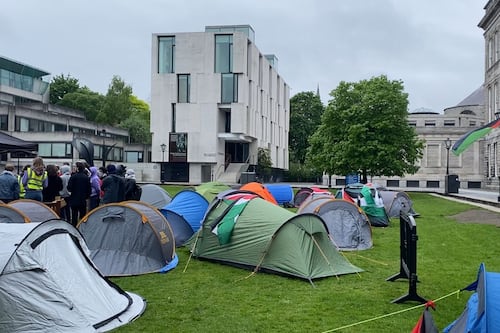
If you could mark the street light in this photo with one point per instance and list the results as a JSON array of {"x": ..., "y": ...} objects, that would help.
[
  {"x": 163, "y": 147},
  {"x": 447, "y": 144},
  {"x": 103, "y": 147},
  {"x": 162, "y": 169}
]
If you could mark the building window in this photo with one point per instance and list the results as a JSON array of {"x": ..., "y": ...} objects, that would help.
[
  {"x": 134, "y": 157},
  {"x": 412, "y": 123},
  {"x": 4, "y": 122},
  {"x": 223, "y": 53},
  {"x": 449, "y": 123},
  {"x": 166, "y": 54},
  {"x": 430, "y": 123},
  {"x": 183, "y": 81},
  {"x": 174, "y": 117},
  {"x": 52, "y": 149},
  {"x": 229, "y": 89}
]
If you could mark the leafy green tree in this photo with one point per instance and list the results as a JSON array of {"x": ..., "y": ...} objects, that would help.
[
  {"x": 117, "y": 104},
  {"x": 84, "y": 99},
  {"x": 138, "y": 122},
  {"x": 364, "y": 130},
  {"x": 61, "y": 85},
  {"x": 264, "y": 163},
  {"x": 305, "y": 117}
]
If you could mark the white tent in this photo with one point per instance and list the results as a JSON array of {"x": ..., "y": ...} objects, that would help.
[{"x": 49, "y": 284}]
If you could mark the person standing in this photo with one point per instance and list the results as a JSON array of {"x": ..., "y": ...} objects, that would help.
[
  {"x": 54, "y": 184},
  {"x": 95, "y": 186},
  {"x": 131, "y": 188},
  {"x": 22, "y": 190},
  {"x": 113, "y": 186},
  {"x": 35, "y": 179},
  {"x": 79, "y": 187},
  {"x": 9, "y": 185},
  {"x": 64, "y": 193}
]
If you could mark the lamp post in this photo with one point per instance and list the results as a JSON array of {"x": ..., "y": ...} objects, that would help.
[
  {"x": 162, "y": 169},
  {"x": 447, "y": 144},
  {"x": 103, "y": 147},
  {"x": 498, "y": 199},
  {"x": 163, "y": 147}
]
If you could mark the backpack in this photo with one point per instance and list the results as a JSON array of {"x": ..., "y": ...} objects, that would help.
[
  {"x": 136, "y": 193},
  {"x": 132, "y": 193}
]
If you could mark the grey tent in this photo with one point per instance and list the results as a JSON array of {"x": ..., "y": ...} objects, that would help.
[
  {"x": 35, "y": 210},
  {"x": 254, "y": 233},
  {"x": 397, "y": 201},
  {"x": 129, "y": 238},
  {"x": 49, "y": 284},
  {"x": 24, "y": 211},
  {"x": 347, "y": 224},
  {"x": 155, "y": 195}
]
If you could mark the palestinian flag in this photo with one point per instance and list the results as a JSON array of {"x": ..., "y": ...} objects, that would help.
[
  {"x": 426, "y": 323},
  {"x": 465, "y": 141}
]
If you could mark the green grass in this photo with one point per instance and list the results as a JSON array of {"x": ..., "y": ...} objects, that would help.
[{"x": 200, "y": 296}]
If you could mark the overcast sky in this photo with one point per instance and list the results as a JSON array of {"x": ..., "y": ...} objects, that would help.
[{"x": 434, "y": 47}]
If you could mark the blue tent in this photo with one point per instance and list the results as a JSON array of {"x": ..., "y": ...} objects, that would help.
[
  {"x": 282, "y": 193},
  {"x": 482, "y": 312},
  {"x": 184, "y": 214}
]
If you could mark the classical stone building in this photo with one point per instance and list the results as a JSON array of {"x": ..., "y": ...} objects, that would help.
[
  {"x": 490, "y": 23},
  {"x": 215, "y": 100}
]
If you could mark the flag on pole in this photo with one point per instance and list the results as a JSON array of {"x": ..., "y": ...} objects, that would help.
[{"x": 465, "y": 141}]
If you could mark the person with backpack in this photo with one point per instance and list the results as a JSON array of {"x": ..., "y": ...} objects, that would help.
[
  {"x": 132, "y": 190},
  {"x": 113, "y": 186}
]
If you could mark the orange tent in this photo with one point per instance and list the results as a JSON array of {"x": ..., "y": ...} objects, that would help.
[{"x": 260, "y": 190}]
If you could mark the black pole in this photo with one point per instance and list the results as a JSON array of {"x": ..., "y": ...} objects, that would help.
[
  {"x": 498, "y": 199},
  {"x": 447, "y": 161}
]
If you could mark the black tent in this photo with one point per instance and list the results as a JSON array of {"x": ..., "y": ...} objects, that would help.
[{"x": 10, "y": 144}]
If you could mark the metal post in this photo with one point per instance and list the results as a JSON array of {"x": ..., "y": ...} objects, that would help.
[
  {"x": 103, "y": 147},
  {"x": 162, "y": 168},
  {"x": 447, "y": 144},
  {"x": 498, "y": 199}
]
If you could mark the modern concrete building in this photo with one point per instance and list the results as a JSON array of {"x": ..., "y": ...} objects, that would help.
[
  {"x": 26, "y": 114},
  {"x": 215, "y": 101}
]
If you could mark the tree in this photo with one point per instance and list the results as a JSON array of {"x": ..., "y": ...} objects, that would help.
[
  {"x": 60, "y": 86},
  {"x": 117, "y": 105},
  {"x": 264, "y": 162},
  {"x": 138, "y": 122},
  {"x": 305, "y": 117},
  {"x": 364, "y": 130},
  {"x": 85, "y": 100}
]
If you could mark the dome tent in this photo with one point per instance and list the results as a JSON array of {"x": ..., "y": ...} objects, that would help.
[
  {"x": 155, "y": 195},
  {"x": 269, "y": 238},
  {"x": 51, "y": 258},
  {"x": 129, "y": 238},
  {"x": 184, "y": 214},
  {"x": 347, "y": 224},
  {"x": 24, "y": 211}
]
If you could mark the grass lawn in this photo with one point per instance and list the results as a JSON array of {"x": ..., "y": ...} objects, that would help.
[{"x": 201, "y": 296}]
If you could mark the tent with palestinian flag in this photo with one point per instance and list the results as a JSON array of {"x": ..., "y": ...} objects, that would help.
[
  {"x": 469, "y": 138},
  {"x": 246, "y": 231}
]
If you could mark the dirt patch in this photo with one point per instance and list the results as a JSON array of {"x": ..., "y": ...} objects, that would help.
[{"x": 478, "y": 216}]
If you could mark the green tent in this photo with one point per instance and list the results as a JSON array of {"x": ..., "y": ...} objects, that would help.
[
  {"x": 261, "y": 236},
  {"x": 211, "y": 189}
]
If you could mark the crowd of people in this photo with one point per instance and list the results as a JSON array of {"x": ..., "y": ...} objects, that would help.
[{"x": 80, "y": 187}]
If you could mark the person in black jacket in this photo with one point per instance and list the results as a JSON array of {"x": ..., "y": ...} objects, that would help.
[
  {"x": 113, "y": 186},
  {"x": 79, "y": 186},
  {"x": 54, "y": 184}
]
